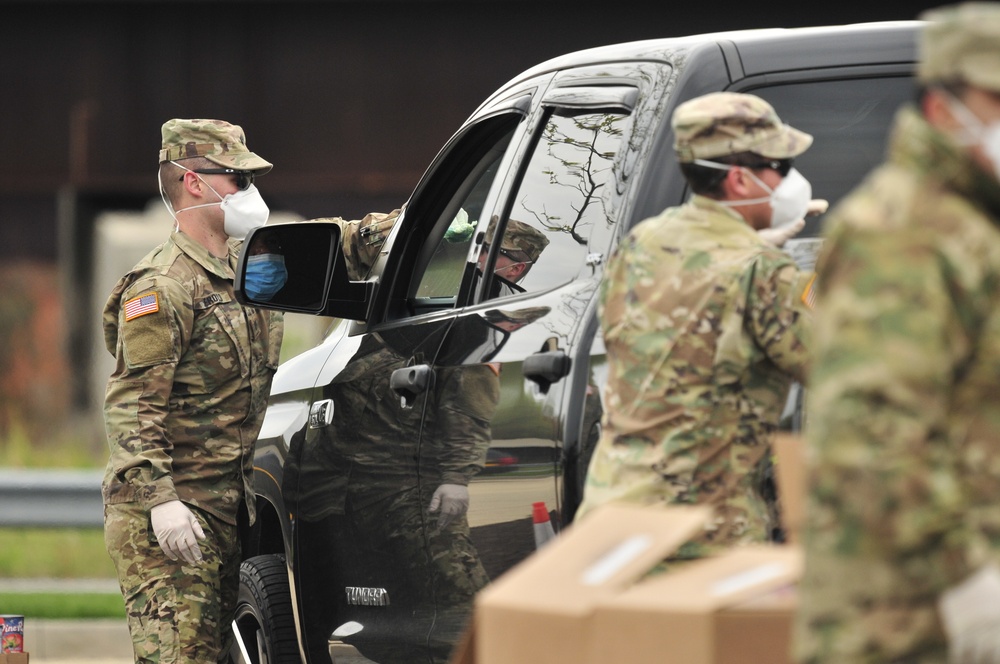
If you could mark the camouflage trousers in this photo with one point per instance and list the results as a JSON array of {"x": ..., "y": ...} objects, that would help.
[{"x": 177, "y": 613}]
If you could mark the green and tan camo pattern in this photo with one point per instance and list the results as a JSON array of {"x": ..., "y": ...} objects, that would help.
[
  {"x": 362, "y": 240},
  {"x": 903, "y": 423},
  {"x": 521, "y": 241},
  {"x": 187, "y": 396},
  {"x": 177, "y": 613},
  {"x": 216, "y": 140},
  {"x": 725, "y": 123},
  {"x": 961, "y": 43},
  {"x": 705, "y": 328}
]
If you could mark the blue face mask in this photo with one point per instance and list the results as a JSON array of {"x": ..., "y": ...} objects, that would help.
[{"x": 265, "y": 276}]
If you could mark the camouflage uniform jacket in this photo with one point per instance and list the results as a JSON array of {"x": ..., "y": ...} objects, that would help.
[
  {"x": 903, "y": 429},
  {"x": 705, "y": 328},
  {"x": 187, "y": 396},
  {"x": 362, "y": 240}
]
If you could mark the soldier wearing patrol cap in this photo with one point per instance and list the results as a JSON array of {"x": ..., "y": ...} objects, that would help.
[
  {"x": 186, "y": 400},
  {"x": 903, "y": 532},
  {"x": 706, "y": 327},
  {"x": 519, "y": 248}
]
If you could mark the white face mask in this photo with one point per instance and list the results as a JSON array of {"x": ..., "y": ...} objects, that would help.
[
  {"x": 975, "y": 131},
  {"x": 789, "y": 200},
  {"x": 242, "y": 211}
]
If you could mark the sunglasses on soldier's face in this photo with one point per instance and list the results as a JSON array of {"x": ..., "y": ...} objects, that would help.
[
  {"x": 782, "y": 166},
  {"x": 243, "y": 178}
]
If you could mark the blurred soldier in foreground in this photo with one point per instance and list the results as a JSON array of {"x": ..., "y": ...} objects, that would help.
[
  {"x": 706, "y": 325},
  {"x": 186, "y": 400},
  {"x": 903, "y": 528}
]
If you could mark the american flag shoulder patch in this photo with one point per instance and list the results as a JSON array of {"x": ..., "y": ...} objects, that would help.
[
  {"x": 809, "y": 293},
  {"x": 147, "y": 303}
]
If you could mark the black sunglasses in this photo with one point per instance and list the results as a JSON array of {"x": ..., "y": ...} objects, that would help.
[
  {"x": 243, "y": 178},
  {"x": 782, "y": 166}
]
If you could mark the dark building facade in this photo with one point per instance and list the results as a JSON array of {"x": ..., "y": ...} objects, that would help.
[{"x": 350, "y": 99}]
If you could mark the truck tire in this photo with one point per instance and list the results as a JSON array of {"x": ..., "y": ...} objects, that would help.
[{"x": 264, "y": 612}]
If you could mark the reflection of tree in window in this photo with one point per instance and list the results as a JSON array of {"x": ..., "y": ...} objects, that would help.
[
  {"x": 561, "y": 193},
  {"x": 584, "y": 147}
]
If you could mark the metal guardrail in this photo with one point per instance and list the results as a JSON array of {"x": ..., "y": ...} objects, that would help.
[{"x": 51, "y": 498}]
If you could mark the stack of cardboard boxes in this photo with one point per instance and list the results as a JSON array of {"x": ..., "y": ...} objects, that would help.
[{"x": 586, "y": 597}]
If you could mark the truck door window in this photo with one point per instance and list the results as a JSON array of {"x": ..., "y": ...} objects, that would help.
[
  {"x": 849, "y": 120},
  {"x": 559, "y": 199},
  {"x": 440, "y": 268}
]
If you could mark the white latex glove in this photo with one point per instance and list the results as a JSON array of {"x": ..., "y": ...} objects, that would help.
[
  {"x": 970, "y": 612},
  {"x": 776, "y": 237},
  {"x": 452, "y": 500},
  {"x": 817, "y": 206},
  {"x": 178, "y": 531}
]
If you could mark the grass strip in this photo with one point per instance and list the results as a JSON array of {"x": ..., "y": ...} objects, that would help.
[
  {"x": 54, "y": 553},
  {"x": 59, "y": 605}
]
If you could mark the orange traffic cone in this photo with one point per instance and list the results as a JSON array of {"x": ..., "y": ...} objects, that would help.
[{"x": 542, "y": 524}]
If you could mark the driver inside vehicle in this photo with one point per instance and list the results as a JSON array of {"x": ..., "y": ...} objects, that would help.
[
  {"x": 519, "y": 249},
  {"x": 265, "y": 270}
]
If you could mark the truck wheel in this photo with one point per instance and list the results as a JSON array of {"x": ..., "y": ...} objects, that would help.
[{"x": 264, "y": 612}]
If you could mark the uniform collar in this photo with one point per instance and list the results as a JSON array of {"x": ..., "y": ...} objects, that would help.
[
  {"x": 724, "y": 219},
  {"x": 223, "y": 268}
]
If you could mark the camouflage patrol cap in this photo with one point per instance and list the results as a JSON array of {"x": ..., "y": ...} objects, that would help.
[
  {"x": 725, "y": 123},
  {"x": 216, "y": 140},
  {"x": 521, "y": 241},
  {"x": 961, "y": 43}
]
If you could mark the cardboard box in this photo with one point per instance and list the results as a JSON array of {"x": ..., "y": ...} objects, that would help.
[
  {"x": 730, "y": 609},
  {"x": 583, "y": 599},
  {"x": 14, "y": 658},
  {"x": 790, "y": 476},
  {"x": 540, "y": 610}
]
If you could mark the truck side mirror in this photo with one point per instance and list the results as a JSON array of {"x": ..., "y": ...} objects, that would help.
[{"x": 316, "y": 280}]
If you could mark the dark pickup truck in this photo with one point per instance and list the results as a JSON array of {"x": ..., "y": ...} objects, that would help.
[{"x": 465, "y": 368}]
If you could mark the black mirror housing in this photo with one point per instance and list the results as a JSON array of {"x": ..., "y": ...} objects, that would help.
[{"x": 317, "y": 281}]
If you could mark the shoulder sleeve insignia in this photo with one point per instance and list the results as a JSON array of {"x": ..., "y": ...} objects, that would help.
[
  {"x": 147, "y": 303},
  {"x": 809, "y": 293}
]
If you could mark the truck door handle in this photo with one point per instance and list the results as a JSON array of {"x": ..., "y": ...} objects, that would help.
[
  {"x": 546, "y": 367},
  {"x": 410, "y": 382}
]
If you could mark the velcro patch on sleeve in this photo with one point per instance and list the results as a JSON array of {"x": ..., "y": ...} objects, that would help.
[
  {"x": 147, "y": 340},
  {"x": 147, "y": 303}
]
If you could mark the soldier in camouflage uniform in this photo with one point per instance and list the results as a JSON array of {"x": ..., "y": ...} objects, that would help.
[
  {"x": 519, "y": 249},
  {"x": 706, "y": 327},
  {"x": 903, "y": 525},
  {"x": 186, "y": 401}
]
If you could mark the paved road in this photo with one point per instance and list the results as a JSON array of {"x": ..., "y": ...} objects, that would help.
[
  {"x": 61, "y": 586},
  {"x": 77, "y": 641}
]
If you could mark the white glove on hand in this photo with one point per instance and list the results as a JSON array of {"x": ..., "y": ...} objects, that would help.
[
  {"x": 178, "y": 531},
  {"x": 970, "y": 612},
  {"x": 452, "y": 500},
  {"x": 817, "y": 206},
  {"x": 776, "y": 237}
]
